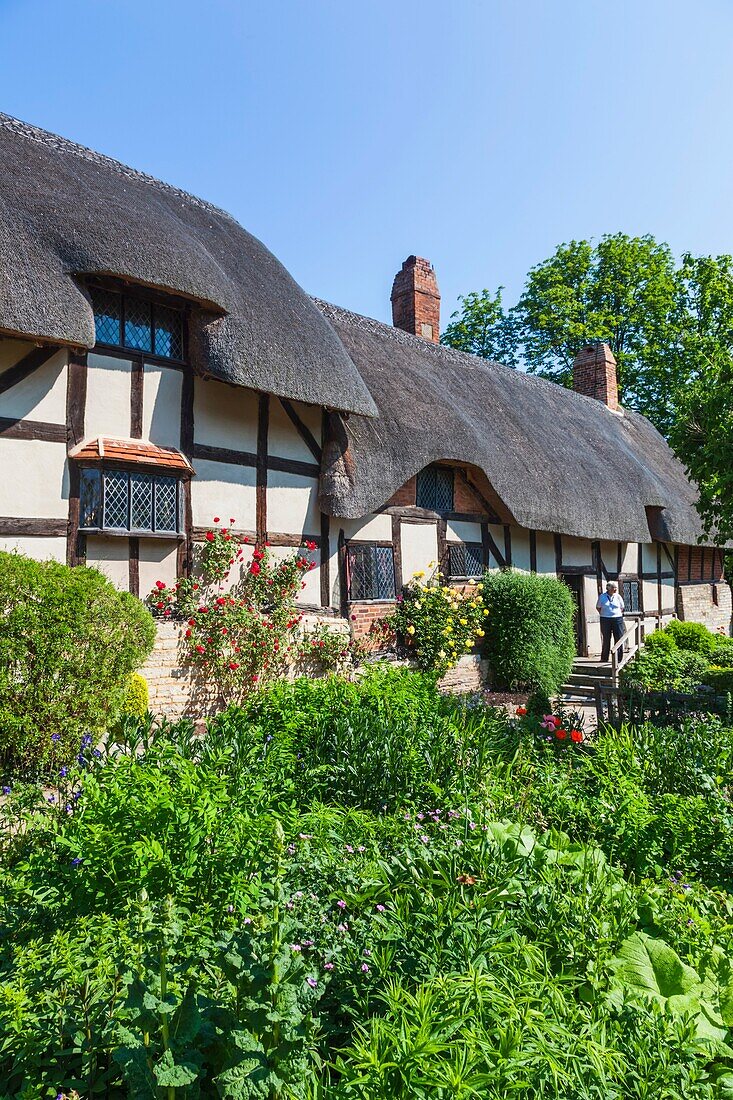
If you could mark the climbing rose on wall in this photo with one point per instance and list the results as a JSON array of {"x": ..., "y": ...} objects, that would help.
[
  {"x": 243, "y": 622},
  {"x": 438, "y": 624}
]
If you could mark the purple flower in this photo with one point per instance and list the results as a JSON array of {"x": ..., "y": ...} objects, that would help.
[
  {"x": 328, "y": 966},
  {"x": 230, "y": 908},
  {"x": 312, "y": 982},
  {"x": 51, "y": 798},
  {"x": 295, "y": 947},
  {"x": 365, "y": 968},
  {"x": 62, "y": 773},
  {"x": 76, "y": 861},
  {"x": 381, "y": 908},
  {"x": 6, "y": 790},
  {"x": 341, "y": 904},
  {"x": 55, "y": 737}
]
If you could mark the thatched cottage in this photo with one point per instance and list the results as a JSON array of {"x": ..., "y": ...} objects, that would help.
[{"x": 159, "y": 366}]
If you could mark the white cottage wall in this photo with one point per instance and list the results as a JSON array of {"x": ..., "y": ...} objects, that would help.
[
  {"x": 162, "y": 388},
  {"x": 108, "y": 397}
]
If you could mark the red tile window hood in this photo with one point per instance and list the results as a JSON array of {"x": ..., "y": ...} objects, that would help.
[{"x": 132, "y": 452}]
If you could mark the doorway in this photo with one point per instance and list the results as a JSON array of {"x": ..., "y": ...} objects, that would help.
[{"x": 575, "y": 584}]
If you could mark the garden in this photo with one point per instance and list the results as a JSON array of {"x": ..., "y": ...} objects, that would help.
[{"x": 352, "y": 887}]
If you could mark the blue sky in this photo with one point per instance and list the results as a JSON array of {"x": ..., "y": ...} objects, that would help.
[{"x": 346, "y": 135}]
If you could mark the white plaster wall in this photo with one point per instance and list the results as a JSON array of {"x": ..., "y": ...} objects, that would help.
[
  {"x": 593, "y": 629},
  {"x": 162, "y": 405},
  {"x": 369, "y": 529},
  {"x": 630, "y": 558},
  {"x": 609, "y": 555},
  {"x": 546, "y": 553},
  {"x": 39, "y": 548},
  {"x": 222, "y": 489},
  {"x": 225, "y": 416},
  {"x": 668, "y": 595},
  {"x": 34, "y": 480},
  {"x": 157, "y": 563},
  {"x": 108, "y": 397},
  {"x": 292, "y": 504},
  {"x": 576, "y": 552},
  {"x": 40, "y": 396},
  {"x": 284, "y": 439},
  {"x": 651, "y": 599},
  {"x": 419, "y": 547},
  {"x": 111, "y": 556},
  {"x": 520, "y": 549},
  {"x": 649, "y": 557},
  {"x": 311, "y": 592},
  {"x": 464, "y": 531}
]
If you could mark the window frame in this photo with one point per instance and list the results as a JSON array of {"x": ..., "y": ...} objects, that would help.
[
  {"x": 632, "y": 578},
  {"x": 476, "y": 546},
  {"x": 353, "y": 545},
  {"x": 130, "y": 471},
  {"x": 154, "y": 301},
  {"x": 433, "y": 467}
]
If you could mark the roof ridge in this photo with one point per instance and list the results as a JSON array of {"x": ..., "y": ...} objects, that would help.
[{"x": 65, "y": 145}]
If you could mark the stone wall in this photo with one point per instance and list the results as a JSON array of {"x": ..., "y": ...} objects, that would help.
[{"x": 710, "y": 604}]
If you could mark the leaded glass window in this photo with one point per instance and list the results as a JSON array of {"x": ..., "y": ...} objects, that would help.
[
  {"x": 371, "y": 572},
  {"x": 435, "y": 489},
  {"x": 129, "y": 501},
  {"x": 128, "y": 321},
  {"x": 630, "y": 594},
  {"x": 465, "y": 559}
]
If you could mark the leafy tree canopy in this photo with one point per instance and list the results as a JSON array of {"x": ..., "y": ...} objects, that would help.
[{"x": 669, "y": 325}]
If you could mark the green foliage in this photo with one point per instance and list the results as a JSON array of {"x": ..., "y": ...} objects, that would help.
[
  {"x": 530, "y": 641},
  {"x": 483, "y": 908},
  {"x": 136, "y": 701},
  {"x": 692, "y": 636},
  {"x": 720, "y": 679},
  {"x": 481, "y": 327},
  {"x": 68, "y": 644},
  {"x": 677, "y": 658},
  {"x": 437, "y": 624}
]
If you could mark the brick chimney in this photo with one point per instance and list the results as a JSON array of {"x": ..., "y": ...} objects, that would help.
[
  {"x": 594, "y": 374},
  {"x": 416, "y": 299}
]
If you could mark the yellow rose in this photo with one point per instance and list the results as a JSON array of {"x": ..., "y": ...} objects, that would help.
[
  {"x": 441, "y": 654},
  {"x": 411, "y": 629},
  {"x": 448, "y": 628},
  {"x": 420, "y": 573},
  {"x": 480, "y": 633},
  {"x": 469, "y": 645},
  {"x": 464, "y": 622},
  {"x": 418, "y": 604}
]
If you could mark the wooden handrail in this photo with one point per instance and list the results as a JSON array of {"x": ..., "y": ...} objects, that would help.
[{"x": 626, "y": 647}]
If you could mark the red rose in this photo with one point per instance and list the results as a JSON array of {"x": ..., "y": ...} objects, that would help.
[
  {"x": 557, "y": 721},
  {"x": 192, "y": 622},
  {"x": 521, "y": 711},
  {"x": 200, "y": 649},
  {"x": 560, "y": 734},
  {"x": 220, "y": 601},
  {"x": 160, "y": 585},
  {"x": 255, "y": 567},
  {"x": 576, "y": 736},
  {"x": 209, "y": 536},
  {"x": 195, "y": 588},
  {"x": 233, "y": 666},
  {"x": 216, "y": 519},
  {"x": 159, "y": 605},
  {"x": 255, "y": 678},
  {"x": 231, "y": 520},
  {"x": 188, "y": 633}
]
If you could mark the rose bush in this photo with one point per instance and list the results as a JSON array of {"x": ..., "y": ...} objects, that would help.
[{"x": 438, "y": 624}]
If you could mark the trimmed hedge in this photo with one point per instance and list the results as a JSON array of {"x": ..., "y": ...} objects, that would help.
[
  {"x": 137, "y": 697},
  {"x": 530, "y": 640},
  {"x": 68, "y": 643}
]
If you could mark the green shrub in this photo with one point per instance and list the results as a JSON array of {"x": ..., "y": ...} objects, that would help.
[
  {"x": 721, "y": 679},
  {"x": 530, "y": 640},
  {"x": 722, "y": 655},
  {"x": 137, "y": 698},
  {"x": 659, "y": 667},
  {"x": 692, "y": 636},
  {"x": 68, "y": 643},
  {"x": 660, "y": 642}
]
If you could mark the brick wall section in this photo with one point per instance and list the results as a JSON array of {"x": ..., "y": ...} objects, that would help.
[
  {"x": 416, "y": 299},
  {"x": 404, "y": 497},
  {"x": 698, "y": 563},
  {"x": 464, "y": 499},
  {"x": 697, "y": 603},
  {"x": 594, "y": 374},
  {"x": 362, "y": 615}
]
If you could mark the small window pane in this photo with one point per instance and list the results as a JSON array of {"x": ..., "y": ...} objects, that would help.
[
  {"x": 141, "y": 502},
  {"x": 138, "y": 329},
  {"x": 165, "y": 504},
  {"x": 115, "y": 499},
  {"x": 630, "y": 595},
  {"x": 371, "y": 572},
  {"x": 435, "y": 489},
  {"x": 107, "y": 312},
  {"x": 168, "y": 336},
  {"x": 465, "y": 559},
  {"x": 90, "y": 498}
]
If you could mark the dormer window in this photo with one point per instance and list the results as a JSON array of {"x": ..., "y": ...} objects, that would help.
[
  {"x": 137, "y": 323},
  {"x": 435, "y": 489}
]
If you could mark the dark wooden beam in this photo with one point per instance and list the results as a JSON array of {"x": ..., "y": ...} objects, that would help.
[
  {"x": 263, "y": 425},
  {"x": 489, "y": 510},
  {"x": 137, "y": 382},
  {"x": 412, "y": 512},
  {"x": 76, "y": 399},
  {"x": 134, "y": 568},
  {"x": 507, "y": 545},
  {"x": 294, "y": 466},
  {"x": 249, "y": 458},
  {"x": 397, "y": 552},
  {"x": 32, "y": 429},
  {"x": 491, "y": 543},
  {"x": 325, "y": 560},
  {"x": 73, "y": 538},
  {"x": 303, "y": 430},
  {"x": 558, "y": 553},
  {"x": 343, "y": 573},
  {"x": 184, "y": 562},
  {"x": 533, "y": 551},
  {"x": 442, "y": 535},
  {"x": 619, "y": 559},
  {"x": 27, "y": 365},
  {"x": 485, "y": 545},
  {"x": 31, "y": 526}
]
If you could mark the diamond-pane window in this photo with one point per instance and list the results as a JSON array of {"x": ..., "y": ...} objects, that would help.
[
  {"x": 465, "y": 559},
  {"x": 168, "y": 335},
  {"x": 115, "y": 500},
  {"x": 107, "y": 308},
  {"x": 435, "y": 489},
  {"x": 165, "y": 503},
  {"x": 90, "y": 498},
  {"x": 141, "y": 502},
  {"x": 630, "y": 595},
  {"x": 138, "y": 324},
  {"x": 371, "y": 572}
]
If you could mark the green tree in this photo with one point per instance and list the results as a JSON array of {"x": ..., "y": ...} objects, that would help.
[{"x": 482, "y": 328}]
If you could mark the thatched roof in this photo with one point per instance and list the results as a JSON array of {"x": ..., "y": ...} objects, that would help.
[
  {"x": 558, "y": 461},
  {"x": 67, "y": 212}
]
